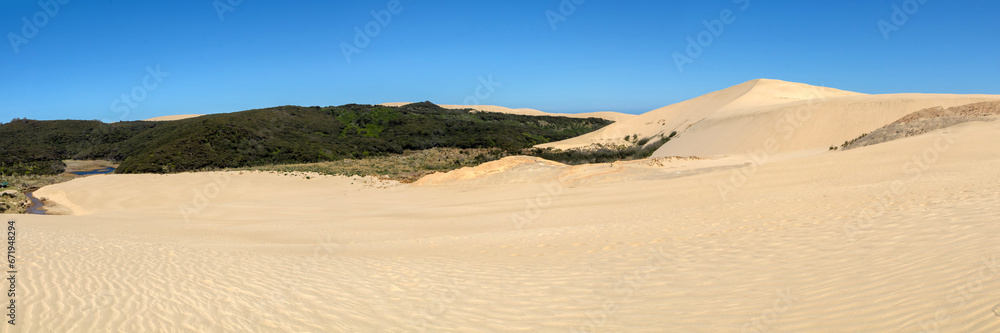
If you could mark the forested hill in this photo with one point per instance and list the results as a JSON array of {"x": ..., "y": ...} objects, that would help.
[{"x": 280, "y": 135}]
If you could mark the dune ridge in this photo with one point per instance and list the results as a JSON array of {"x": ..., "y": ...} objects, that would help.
[
  {"x": 609, "y": 115},
  {"x": 680, "y": 116},
  {"x": 758, "y": 113},
  {"x": 927, "y": 120},
  {"x": 174, "y": 117}
]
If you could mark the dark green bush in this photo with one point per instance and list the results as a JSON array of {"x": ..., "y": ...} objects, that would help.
[{"x": 280, "y": 135}]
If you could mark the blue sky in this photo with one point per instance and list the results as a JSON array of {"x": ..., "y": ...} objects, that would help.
[{"x": 602, "y": 55}]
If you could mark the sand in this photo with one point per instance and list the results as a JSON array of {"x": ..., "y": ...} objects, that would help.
[
  {"x": 927, "y": 120},
  {"x": 176, "y": 117},
  {"x": 609, "y": 115},
  {"x": 633, "y": 247},
  {"x": 898, "y": 236},
  {"x": 745, "y": 117}
]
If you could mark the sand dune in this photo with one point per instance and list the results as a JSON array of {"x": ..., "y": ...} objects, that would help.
[
  {"x": 609, "y": 115},
  {"x": 804, "y": 125},
  {"x": 749, "y": 116},
  {"x": 176, "y": 117},
  {"x": 678, "y": 117},
  {"x": 524, "y": 245},
  {"x": 927, "y": 120}
]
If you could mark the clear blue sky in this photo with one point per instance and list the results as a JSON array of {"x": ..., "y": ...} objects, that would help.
[{"x": 607, "y": 55}]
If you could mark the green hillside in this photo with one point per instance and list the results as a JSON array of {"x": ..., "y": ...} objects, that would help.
[{"x": 280, "y": 135}]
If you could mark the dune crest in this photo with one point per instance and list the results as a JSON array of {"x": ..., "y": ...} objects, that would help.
[
  {"x": 778, "y": 115},
  {"x": 680, "y": 116},
  {"x": 174, "y": 117},
  {"x": 609, "y": 115}
]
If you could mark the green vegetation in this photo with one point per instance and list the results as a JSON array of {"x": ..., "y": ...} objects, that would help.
[
  {"x": 412, "y": 165},
  {"x": 273, "y": 136},
  {"x": 406, "y": 167},
  {"x": 850, "y": 143},
  {"x": 31, "y": 147}
]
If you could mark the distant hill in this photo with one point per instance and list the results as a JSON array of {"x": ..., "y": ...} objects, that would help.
[
  {"x": 38, "y": 147},
  {"x": 280, "y": 135}
]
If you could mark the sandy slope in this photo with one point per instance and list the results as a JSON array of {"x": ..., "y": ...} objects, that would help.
[
  {"x": 177, "y": 117},
  {"x": 811, "y": 124},
  {"x": 678, "y": 117},
  {"x": 524, "y": 245},
  {"x": 609, "y": 115},
  {"x": 746, "y": 116}
]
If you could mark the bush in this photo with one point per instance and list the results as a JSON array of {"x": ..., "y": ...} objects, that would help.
[{"x": 281, "y": 135}]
